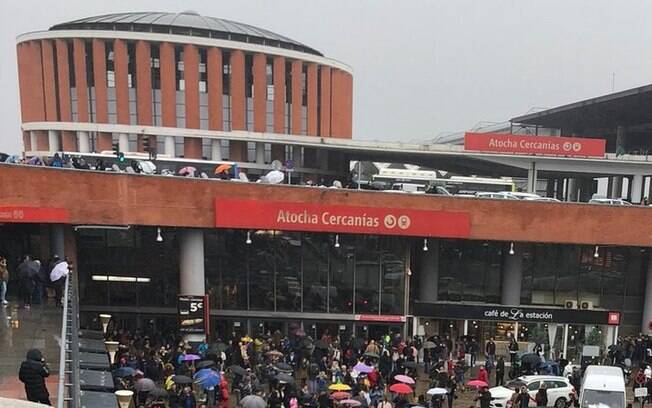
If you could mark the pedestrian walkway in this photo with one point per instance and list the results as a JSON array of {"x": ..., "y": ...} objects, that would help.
[{"x": 23, "y": 329}]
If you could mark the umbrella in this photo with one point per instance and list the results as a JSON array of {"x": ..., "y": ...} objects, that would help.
[
  {"x": 404, "y": 379},
  {"x": 339, "y": 387},
  {"x": 340, "y": 395},
  {"x": 283, "y": 367},
  {"x": 158, "y": 393},
  {"x": 429, "y": 345},
  {"x": 252, "y": 401},
  {"x": 410, "y": 364},
  {"x": 530, "y": 359},
  {"x": 222, "y": 168},
  {"x": 350, "y": 403},
  {"x": 300, "y": 333},
  {"x": 124, "y": 372},
  {"x": 237, "y": 370},
  {"x": 182, "y": 379},
  {"x": 321, "y": 344},
  {"x": 401, "y": 388},
  {"x": 437, "y": 391},
  {"x": 273, "y": 177},
  {"x": 190, "y": 357},
  {"x": 371, "y": 354},
  {"x": 246, "y": 339},
  {"x": 144, "y": 385},
  {"x": 207, "y": 378},
  {"x": 477, "y": 383},
  {"x": 274, "y": 353},
  {"x": 147, "y": 166},
  {"x": 363, "y": 368},
  {"x": 284, "y": 378},
  {"x": 59, "y": 271},
  {"x": 205, "y": 364},
  {"x": 187, "y": 171}
]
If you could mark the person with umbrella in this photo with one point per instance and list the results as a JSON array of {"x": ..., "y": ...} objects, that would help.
[{"x": 58, "y": 276}]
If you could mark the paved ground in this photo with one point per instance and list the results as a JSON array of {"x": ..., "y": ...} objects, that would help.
[{"x": 20, "y": 330}]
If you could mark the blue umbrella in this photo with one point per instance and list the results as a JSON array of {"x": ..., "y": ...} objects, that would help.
[
  {"x": 124, "y": 372},
  {"x": 207, "y": 378}
]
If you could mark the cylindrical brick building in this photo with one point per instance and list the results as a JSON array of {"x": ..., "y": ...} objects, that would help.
[{"x": 188, "y": 80}]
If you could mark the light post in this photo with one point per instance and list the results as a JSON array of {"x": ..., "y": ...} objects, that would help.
[
  {"x": 105, "y": 319},
  {"x": 112, "y": 349},
  {"x": 124, "y": 398}
]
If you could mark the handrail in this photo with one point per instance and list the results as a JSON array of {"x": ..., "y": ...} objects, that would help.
[
  {"x": 63, "y": 344},
  {"x": 69, "y": 388}
]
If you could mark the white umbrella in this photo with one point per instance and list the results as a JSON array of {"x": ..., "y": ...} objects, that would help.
[
  {"x": 437, "y": 391},
  {"x": 275, "y": 177},
  {"x": 147, "y": 166},
  {"x": 60, "y": 270}
]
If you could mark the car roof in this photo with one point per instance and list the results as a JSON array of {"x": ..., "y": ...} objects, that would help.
[
  {"x": 528, "y": 378},
  {"x": 603, "y": 378}
]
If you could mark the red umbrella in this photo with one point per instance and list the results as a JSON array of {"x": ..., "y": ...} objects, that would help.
[
  {"x": 401, "y": 388},
  {"x": 477, "y": 383},
  {"x": 340, "y": 395}
]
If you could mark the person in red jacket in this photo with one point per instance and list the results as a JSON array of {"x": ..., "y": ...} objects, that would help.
[{"x": 483, "y": 375}]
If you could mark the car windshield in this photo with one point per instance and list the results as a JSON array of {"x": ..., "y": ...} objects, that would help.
[
  {"x": 515, "y": 384},
  {"x": 602, "y": 399}
]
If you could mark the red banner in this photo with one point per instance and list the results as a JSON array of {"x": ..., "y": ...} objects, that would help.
[
  {"x": 299, "y": 216},
  {"x": 536, "y": 145},
  {"x": 33, "y": 214}
]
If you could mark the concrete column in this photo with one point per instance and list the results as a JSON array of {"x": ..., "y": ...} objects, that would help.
[
  {"x": 33, "y": 138},
  {"x": 216, "y": 149},
  {"x": 429, "y": 273},
  {"x": 532, "y": 178},
  {"x": 53, "y": 140},
  {"x": 169, "y": 146},
  {"x": 647, "y": 306},
  {"x": 512, "y": 277},
  {"x": 123, "y": 142},
  {"x": 616, "y": 187},
  {"x": 571, "y": 190},
  {"x": 57, "y": 240},
  {"x": 637, "y": 188},
  {"x": 621, "y": 139},
  {"x": 191, "y": 262},
  {"x": 260, "y": 153},
  {"x": 83, "y": 142}
]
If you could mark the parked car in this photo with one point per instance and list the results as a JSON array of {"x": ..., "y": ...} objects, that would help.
[
  {"x": 559, "y": 390},
  {"x": 525, "y": 196},
  {"x": 609, "y": 201},
  {"x": 546, "y": 199},
  {"x": 500, "y": 195},
  {"x": 603, "y": 386}
]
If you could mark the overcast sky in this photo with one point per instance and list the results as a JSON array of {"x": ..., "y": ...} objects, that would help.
[{"x": 421, "y": 68}]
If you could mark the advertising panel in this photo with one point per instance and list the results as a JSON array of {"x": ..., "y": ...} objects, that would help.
[{"x": 535, "y": 145}]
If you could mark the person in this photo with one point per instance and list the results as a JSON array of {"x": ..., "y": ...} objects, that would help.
[
  {"x": 452, "y": 387},
  {"x": 490, "y": 352},
  {"x": 500, "y": 371},
  {"x": 32, "y": 373},
  {"x": 4, "y": 280},
  {"x": 386, "y": 403},
  {"x": 541, "y": 397},
  {"x": 484, "y": 397},
  {"x": 58, "y": 275},
  {"x": 187, "y": 398},
  {"x": 523, "y": 400},
  {"x": 483, "y": 375},
  {"x": 25, "y": 275},
  {"x": 512, "y": 347}
]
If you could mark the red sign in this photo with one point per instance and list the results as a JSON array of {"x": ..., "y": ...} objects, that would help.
[
  {"x": 613, "y": 318},
  {"x": 299, "y": 216},
  {"x": 536, "y": 145},
  {"x": 380, "y": 318},
  {"x": 33, "y": 214}
]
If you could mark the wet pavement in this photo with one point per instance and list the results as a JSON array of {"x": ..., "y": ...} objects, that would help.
[{"x": 20, "y": 330}]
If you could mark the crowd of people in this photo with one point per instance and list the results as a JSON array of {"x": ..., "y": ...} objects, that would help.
[{"x": 32, "y": 278}]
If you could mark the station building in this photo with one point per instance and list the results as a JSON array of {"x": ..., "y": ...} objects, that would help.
[{"x": 270, "y": 257}]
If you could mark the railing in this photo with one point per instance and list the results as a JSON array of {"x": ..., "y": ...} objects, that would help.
[{"x": 68, "y": 391}]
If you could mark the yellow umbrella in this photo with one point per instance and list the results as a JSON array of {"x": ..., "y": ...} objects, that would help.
[{"x": 339, "y": 387}]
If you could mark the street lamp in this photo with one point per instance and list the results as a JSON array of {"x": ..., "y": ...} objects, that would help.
[
  {"x": 248, "y": 241},
  {"x": 425, "y": 244},
  {"x": 159, "y": 237},
  {"x": 337, "y": 240},
  {"x": 104, "y": 319},
  {"x": 124, "y": 398},
  {"x": 511, "y": 248},
  {"x": 112, "y": 349},
  {"x": 596, "y": 254}
]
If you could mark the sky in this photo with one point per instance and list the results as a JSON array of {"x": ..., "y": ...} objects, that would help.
[{"x": 421, "y": 67}]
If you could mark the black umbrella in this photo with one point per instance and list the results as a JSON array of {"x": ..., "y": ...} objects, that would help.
[
  {"x": 158, "y": 393},
  {"x": 321, "y": 344},
  {"x": 285, "y": 378},
  {"x": 371, "y": 354},
  {"x": 530, "y": 359},
  {"x": 429, "y": 345},
  {"x": 182, "y": 379},
  {"x": 283, "y": 367},
  {"x": 236, "y": 369},
  {"x": 205, "y": 364},
  {"x": 410, "y": 364}
]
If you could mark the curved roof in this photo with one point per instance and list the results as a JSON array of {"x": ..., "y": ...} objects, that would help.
[{"x": 185, "y": 23}]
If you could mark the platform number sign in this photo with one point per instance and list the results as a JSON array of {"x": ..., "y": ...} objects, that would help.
[{"x": 193, "y": 314}]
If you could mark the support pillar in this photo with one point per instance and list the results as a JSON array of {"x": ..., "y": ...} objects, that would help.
[
  {"x": 191, "y": 266},
  {"x": 647, "y": 305},
  {"x": 532, "y": 178},
  {"x": 571, "y": 190},
  {"x": 123, "y": 142},
  {"x": 33, "y": 140},
  {"x": 53, "y": 140},
  {"x": 169, "y": 146},
  {"x": 216, "y": 150},
  {"x": 565, "y": 351},
  {"x": 83, "y": 142},
  {"x": 260, "y": 153},
  {"x": 637, "y": 188},
  {"x": 616, "y": 187},
  {"x": 57, "y": 239},
  {"x": 512, "y": 277},
  {"x": 429, "y": 273}
]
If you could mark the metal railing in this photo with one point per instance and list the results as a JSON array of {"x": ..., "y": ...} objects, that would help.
[{"x": 68, "y": 392}]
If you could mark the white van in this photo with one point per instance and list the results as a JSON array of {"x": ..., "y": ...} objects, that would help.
[{"x": 603, "y": 387}]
